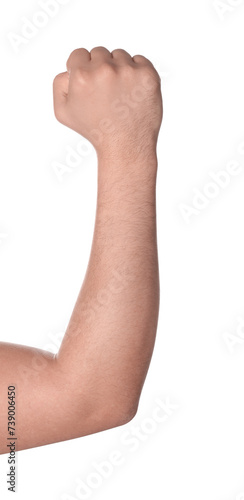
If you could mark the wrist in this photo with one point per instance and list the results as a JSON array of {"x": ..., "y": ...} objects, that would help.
[
  {"x": 120, "y": 170},
  {"x": 125, "y": 181},
  {"x": 127, "y": 151},
  {"x": 117, "y": 162}
]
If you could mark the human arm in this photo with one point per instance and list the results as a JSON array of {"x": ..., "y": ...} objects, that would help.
[{"x": 99, "y": 371}]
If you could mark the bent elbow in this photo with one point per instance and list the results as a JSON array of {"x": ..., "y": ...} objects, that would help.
[{"x": 119, "y": 415}]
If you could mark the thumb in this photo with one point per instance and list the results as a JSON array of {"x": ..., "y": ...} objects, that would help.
[{"x": 60, "y": 94}]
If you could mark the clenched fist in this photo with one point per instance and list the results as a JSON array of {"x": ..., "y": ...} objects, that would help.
[{"x": 110, "y": 98}]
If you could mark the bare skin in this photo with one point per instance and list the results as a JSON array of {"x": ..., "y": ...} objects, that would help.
[{"x": 95, "y": 381}]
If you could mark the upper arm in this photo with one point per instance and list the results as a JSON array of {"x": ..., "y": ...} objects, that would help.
[{"x": 45, "y": 402}]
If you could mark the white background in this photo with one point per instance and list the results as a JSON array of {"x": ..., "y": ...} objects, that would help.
[{"x": 46, "y": 226}]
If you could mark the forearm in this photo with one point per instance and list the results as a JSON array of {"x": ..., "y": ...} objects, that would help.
[{"x": 111, "y": 333}]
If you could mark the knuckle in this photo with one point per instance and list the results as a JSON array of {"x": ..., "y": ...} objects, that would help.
[
  {"x": 74, "y": 53},
  {"x": 149, "y": 77},
  {"x": 79, "y": 76},
  {"x": 99, "y": 47},
  {"x": 71, "y": 56},
  {"x": 57, "y": 80},
  {"x": 106, "y": 70},
  {"x": 140, "y": 58},
  {"x": 127, "y": 70}
]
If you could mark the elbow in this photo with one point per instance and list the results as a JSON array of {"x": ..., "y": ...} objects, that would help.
[
  {"x": 125, "y": 416},
  {"x": 117, "y": 415}
]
